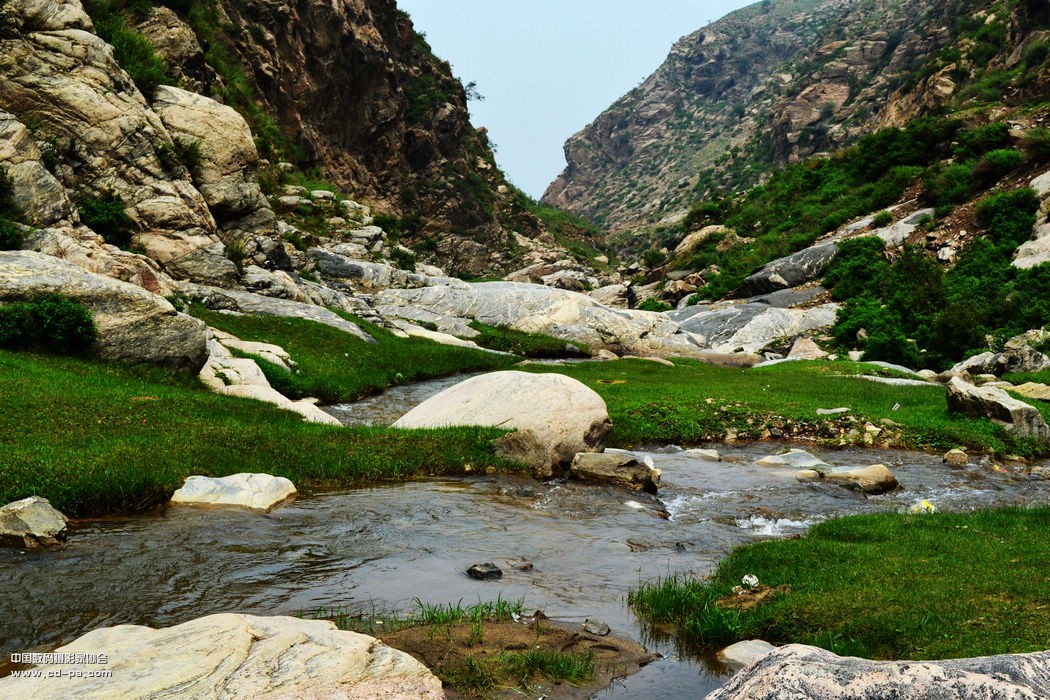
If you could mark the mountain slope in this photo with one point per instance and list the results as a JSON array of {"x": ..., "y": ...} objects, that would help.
[{"x": 769, "y": 84}]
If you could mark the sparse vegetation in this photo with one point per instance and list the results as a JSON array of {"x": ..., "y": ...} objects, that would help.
[{"x": 135, "y": 54}]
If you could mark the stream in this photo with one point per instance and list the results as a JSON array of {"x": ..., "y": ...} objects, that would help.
[{"x": 381, "y": 547}]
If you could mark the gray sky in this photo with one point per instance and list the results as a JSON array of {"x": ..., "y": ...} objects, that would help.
[{"x": 547, "y": 68}]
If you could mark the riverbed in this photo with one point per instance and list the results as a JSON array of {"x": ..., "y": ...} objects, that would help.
[{"x": 569, "y": 549}]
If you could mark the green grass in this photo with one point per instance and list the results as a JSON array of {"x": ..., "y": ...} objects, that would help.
[
  {"x": 693, "y": 403},
  {"x": 480, "y": 675},
  {"x": 881, "y": 586},
  {"x": 336, "y": 366},
  {"x": 423, "y": 614},
  {"x": 1022, "y": 377},
  {"x": 524, "y": 344},
  {"x": 97, "y": 438}
]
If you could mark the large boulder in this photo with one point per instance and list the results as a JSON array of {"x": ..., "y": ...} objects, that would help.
[
  {"x": 792, "y": 270},
  {"x": 994, "y": 403},
  {"x": 226, "y": 173},
  {"x": 32, "y": 522},
  {"x": 533, "y": 308},
  {"x": 799, "y": 671},
  {"x": 133, "y": 325},
  {"x": 555, "y": 416},
  {"x": 232, "y": 656}
]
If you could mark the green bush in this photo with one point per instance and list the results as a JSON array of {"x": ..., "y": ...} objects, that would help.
[
  {"x": 405, "y": 259},
  {"x": 974, "y": 143},
  {"x": 105, "y": 216},
  {"x": 945, "y": 185},
  {"x": 47, "y": 322},
  {"x": 1036, "y": 145},
  {"x": 859, "y": 268},
  {"x": 10, "y": 235},
  {"x": 993, "y": 165},
  {"x": 652, "y": 304},
  {"x": 882, "y": 219},
  {"x": 189, "y": 154},
  {"x": 1009, "y": 217}
]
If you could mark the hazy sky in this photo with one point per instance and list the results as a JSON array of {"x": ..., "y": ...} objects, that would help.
[{"x": 547, "y": 68}]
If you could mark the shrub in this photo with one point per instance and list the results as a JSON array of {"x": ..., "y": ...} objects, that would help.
[
  {"x": 654, "y": 305},
  {"x": 858, "y": 268},
  {"x": 883, "y": 218},
  {"x": 189, "y": 154},
  {"x": 652, "y": 258},
  {"x": 1009, "y": 217},
  {"x": 47, "y": 322},
  {"x": 8, "y": 208},
  {"x": 947, "y": 185},
  {"x": 105, "y": 216},
  {"x": 1036, "y": 145},
  {"x": 405, "y": 259},
  {"x": 993, "y": 165},
  {"x": 973, "y": 143},
  {"x": 10, "y": 235}
]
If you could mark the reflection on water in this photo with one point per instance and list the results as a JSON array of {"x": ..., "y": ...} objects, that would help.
[{"x": 384, "y": 546}]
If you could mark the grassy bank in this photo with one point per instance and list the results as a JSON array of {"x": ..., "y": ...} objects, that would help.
[
  {"x": 879, "y": 586},
  {"x": 95, "y": 438},
  {"x": 335, "y": 366},
  {"x": 693, "y": 403}
]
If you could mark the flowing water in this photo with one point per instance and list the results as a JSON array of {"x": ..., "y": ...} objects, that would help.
[{"x": 384, "y": 546}]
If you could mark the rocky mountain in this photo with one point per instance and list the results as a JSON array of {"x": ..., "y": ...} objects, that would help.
[
  {"x": 767, "y": 85},
  {"x": 118, "y": 95}
]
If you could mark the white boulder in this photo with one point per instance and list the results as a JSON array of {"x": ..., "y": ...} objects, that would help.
[
  {"x": 31, "y": 522},
  {"x": 555, "y": 416},
  {"x": 233, "y": 656},
  {"x": 252, "y": 491}
]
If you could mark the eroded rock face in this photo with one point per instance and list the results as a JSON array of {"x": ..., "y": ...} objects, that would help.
[
  {"x": 555, "y": 416},
  {"x": 799, "y": 671},
  {"x": 104, "y": 136},
  {"x": 133, "y": 325},
  {"x": 750, "y": 327},
  {"x": 31, "y": 522},
  {"x": 991, "y": 402},
  {"x": 228, "y": 655}
]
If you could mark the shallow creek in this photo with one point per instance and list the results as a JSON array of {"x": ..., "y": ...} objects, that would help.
[{"x": 384, "y": 546}]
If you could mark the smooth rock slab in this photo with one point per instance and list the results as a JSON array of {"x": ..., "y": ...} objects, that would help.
[
  {"x": 234, "y": 656},
  {"x": 799, "y": 671},
  {"x": 31, "y": 522},
  {"x": 873, "y": 479},
  {"x": 252, "y": 491},
  {"x": 555, "y": 416}
]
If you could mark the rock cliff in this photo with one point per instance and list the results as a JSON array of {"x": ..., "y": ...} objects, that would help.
[{"x": 766, "y": 85}]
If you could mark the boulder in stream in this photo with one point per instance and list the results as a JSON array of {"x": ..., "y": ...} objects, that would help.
[
  {"x": 556, "y": 416},
  {"x": 614, "y": 468},
  {"x": 251, "y": 491},
  {"x": 800, "y": 671},
  {"x": 799, "y": 459},
  {"x": 230, "y": 655},
  {"x": 31, "y": 522},
  {"x": 737, "y": 656},
  {"x": 873, "y": 479},
  {"x": 485, "y": 572}
]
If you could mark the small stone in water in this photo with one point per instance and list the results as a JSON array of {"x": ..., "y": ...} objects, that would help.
[
  {"x": 485, "y": 572},
  {"x": 595, "y": 627}
]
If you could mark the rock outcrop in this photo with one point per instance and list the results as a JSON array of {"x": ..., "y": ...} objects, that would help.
[
  {"x": 560, "y": 313},
  {"x": 133, "y": 325},
  {"x": 228, "y": 655},
  {"x": 750, "y": 327},
  {"x": 802, "y": 671},
  {"x": 554, "y": 417},
  {"x": 31, "y": 522}
]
